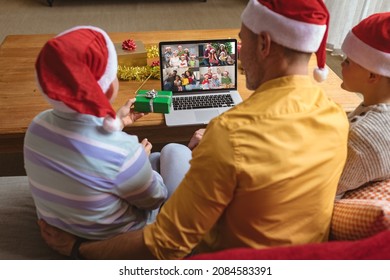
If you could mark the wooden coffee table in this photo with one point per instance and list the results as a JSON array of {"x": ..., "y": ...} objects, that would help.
[{"x": 20, "y": 99}]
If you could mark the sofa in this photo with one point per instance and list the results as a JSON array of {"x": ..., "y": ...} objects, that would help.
[
  {"x": 376, "y": 247},
  {"x": 360, "y": 229},
  {"x": 19, "y": 235}
]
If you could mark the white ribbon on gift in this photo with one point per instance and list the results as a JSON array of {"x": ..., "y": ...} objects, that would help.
[{"x": 152, "y": 94}]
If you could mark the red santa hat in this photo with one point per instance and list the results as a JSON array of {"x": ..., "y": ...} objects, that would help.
[
  {"x": 300, "y": 25},
  {"x": 368, "y": 44},
  {"x": 75, "y": 69}
]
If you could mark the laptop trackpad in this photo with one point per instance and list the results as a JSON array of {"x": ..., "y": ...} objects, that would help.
[{"x": 205, "y": 116}]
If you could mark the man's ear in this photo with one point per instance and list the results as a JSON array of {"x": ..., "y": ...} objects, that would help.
[
  {"x": 374, "y": 78},
  {"x": 264, "y": 43}
]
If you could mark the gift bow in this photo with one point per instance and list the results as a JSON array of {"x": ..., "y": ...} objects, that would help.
[{"x": 151, "y": 94}]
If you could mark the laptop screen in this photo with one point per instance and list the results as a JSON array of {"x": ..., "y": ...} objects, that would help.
[{"x": 188, "y": 67}]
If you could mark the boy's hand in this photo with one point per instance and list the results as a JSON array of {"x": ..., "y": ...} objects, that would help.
[
  {"x": 127, "y": 115},
  {"x": 147, "y": 146},
  {"x": 196, "y": 138}
]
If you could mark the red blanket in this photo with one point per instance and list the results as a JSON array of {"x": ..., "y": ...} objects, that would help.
[{"x": 372, "y": 248}]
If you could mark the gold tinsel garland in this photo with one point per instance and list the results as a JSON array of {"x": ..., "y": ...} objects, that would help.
[
  {"x": 138, "y": 73},
  {"x": 141, "y": 73},
  {"x": 152, "y": 51}
]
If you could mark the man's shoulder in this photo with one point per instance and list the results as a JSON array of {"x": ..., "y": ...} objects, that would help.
[{"x": 238, "y": 117}]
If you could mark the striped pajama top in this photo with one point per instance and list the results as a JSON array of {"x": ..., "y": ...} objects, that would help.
[
  {"x": 86, "y": 181},
  {"x": 368, "y": 147}
]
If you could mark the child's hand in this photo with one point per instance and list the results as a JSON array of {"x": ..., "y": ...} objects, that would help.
[
  {"x": 196, "y": 138},
  {"x": 147, "y": 146},
  {"x": 127, "y": 115}
]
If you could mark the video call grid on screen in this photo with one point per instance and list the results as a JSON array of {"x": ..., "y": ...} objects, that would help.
[{"x": 203, "y": 71}]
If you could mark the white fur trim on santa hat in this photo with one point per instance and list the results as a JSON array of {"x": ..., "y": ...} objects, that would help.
[
  {"x": 368, "y": 57},
  {"x": 112, "y": 65},
  {"x": 320, "y": 74},
  {"x": 293, "y": 34},
  {"x": 59, "y": 105},
  {"x": 111, "y": 125},
  {"x": 110, "y": 72}
]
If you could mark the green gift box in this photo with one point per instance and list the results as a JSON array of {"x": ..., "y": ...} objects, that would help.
[{"x": 153, "y": 101}]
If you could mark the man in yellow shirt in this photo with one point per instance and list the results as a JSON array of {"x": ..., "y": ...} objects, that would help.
[{"x": 262, "y": 174}]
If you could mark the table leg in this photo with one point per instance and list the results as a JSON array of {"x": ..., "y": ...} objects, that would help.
[{"x": 50, "y": 2}]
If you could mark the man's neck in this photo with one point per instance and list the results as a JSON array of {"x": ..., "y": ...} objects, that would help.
[{"x": 285, "y": 68}]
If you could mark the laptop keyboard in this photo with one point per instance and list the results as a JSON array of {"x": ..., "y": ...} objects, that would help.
[{"x": 202, "y": 101}]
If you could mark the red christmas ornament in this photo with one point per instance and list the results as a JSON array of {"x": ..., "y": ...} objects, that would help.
[
  {"x": 129, "y": 45},
  {"x": 155, "y": 63}
]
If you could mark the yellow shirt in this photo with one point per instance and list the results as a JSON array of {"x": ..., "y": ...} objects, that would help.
[{"x": 265, "y": 174}]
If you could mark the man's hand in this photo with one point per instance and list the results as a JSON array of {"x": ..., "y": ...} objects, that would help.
[
  {"x": 196, "y": 138},
  {"x": 147, "y": 146},
  {"x": 127, "y": 115},
  {"x": 57, "y": 239}
]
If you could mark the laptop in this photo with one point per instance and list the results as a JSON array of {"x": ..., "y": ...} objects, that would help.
[{"x": 202, "y": 76}]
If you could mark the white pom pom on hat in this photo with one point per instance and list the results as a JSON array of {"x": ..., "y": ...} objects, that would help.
[
  {"x": 368, "y": 43},
  {"x": 110, "y": 124},
  {"x": 74, "y": 71},
  {"x": 320, "y": 74},
  {"x": 296, "y": 24}
]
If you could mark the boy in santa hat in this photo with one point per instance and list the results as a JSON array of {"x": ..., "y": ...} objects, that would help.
[
  {"x": 366, "y": 70},
  {"x": 86, "y": 176}
]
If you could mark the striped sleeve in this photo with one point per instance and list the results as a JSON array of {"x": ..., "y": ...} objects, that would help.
[
  {"x": 368, "y": 154},
  {"x": 138, "y": 184}
]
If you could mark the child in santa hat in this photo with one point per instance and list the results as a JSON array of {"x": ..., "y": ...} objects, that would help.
[
  {"x": 366, "y": 70},
  {"x": 86, "y": 176}
]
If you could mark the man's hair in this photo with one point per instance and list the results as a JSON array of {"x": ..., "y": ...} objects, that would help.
[{"x": 289, "y": 53}]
